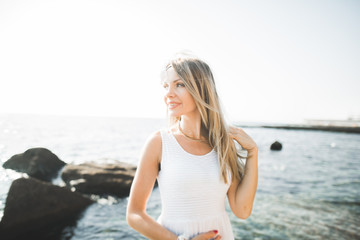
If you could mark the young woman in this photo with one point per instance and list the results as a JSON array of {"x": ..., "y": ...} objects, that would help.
[{"x": 195, "y": 162}]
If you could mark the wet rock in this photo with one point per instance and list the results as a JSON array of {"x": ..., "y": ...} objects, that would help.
[
  {"x": 34, "y": 206},
  {"x": 39, "y": 163},
  {"x": 102, "y": 179},
  {"x": 276, "y": 146}
]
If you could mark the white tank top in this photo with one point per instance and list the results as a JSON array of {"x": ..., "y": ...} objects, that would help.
[{"x": 192, "y": 193}]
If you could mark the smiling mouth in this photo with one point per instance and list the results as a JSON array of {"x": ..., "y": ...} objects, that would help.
[{"x": 173, "y": 105}]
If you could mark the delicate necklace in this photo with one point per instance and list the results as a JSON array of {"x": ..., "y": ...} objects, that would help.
[{"x": 190, "y": 137}]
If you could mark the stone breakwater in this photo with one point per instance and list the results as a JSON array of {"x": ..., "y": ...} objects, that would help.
[
  {"x": 34, "y": 204},
  {"x": 344, "y": 129}
]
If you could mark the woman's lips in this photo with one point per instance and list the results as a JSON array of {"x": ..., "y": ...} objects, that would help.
[{"x": 173, "y": 105}]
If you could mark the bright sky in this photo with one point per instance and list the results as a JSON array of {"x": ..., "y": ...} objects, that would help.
[{"x": 273, "y": 61}]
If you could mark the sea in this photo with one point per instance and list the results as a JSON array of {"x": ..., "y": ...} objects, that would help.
[{"x": 308, "y": 190}]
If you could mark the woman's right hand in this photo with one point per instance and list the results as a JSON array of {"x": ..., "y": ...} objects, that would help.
[{"x": 207, "y": 236}]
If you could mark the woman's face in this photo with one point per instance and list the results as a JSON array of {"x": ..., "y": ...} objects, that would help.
[{"x": 177, "y": 98}]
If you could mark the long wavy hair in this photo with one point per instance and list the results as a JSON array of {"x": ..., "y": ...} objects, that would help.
[{"x": 199, "y": 81}]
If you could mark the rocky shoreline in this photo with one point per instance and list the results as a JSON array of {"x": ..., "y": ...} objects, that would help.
[{"x": 34, "y": 205}]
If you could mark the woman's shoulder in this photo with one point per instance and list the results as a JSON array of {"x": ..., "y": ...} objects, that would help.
[
  {"x": 155, "y": 139},
  {"x": 153, "y": 146}
]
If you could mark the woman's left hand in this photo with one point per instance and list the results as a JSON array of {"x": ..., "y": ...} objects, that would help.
[{"x": 242, "y": 138}]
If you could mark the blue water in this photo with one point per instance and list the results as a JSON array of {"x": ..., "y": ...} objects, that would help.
[{"x": 309, "y": 190}]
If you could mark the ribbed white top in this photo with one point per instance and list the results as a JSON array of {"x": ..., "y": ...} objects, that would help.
[{"x": 192, "y": 193}]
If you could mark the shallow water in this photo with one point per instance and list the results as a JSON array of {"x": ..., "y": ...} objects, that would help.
[{"x": 309, "y": 190}]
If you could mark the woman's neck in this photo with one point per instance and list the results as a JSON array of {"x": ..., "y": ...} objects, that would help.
[{"x": 191, "y": 125}]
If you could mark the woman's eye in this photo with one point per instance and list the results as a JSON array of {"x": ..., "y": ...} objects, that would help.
[
  {"x": 180, "y": 85},
  {"x": 165, "y": 86}
]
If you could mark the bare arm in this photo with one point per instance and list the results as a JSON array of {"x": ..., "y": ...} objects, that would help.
[
  {"x": 241, "y": 195},
  {"x": 141, "y": 189}
]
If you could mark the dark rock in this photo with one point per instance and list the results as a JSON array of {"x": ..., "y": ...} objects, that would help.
[
  {"x": 93, "y": 178},
  {"x": 34, "y": 206},
  {"x": 39, "y": 163},
  {"x": 276, "y": 146}
]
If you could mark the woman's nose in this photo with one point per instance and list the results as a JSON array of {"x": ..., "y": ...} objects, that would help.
[{"x": 170, "y": 92}]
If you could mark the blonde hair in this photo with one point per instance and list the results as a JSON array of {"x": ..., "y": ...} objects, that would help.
[{"x": 199, "y": 81}]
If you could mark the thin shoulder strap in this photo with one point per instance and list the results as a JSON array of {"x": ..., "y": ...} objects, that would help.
[{"x": 164, "y": 145}]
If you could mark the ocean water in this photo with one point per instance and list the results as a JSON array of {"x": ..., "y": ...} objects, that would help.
[{"x": 309, "y": 190}]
